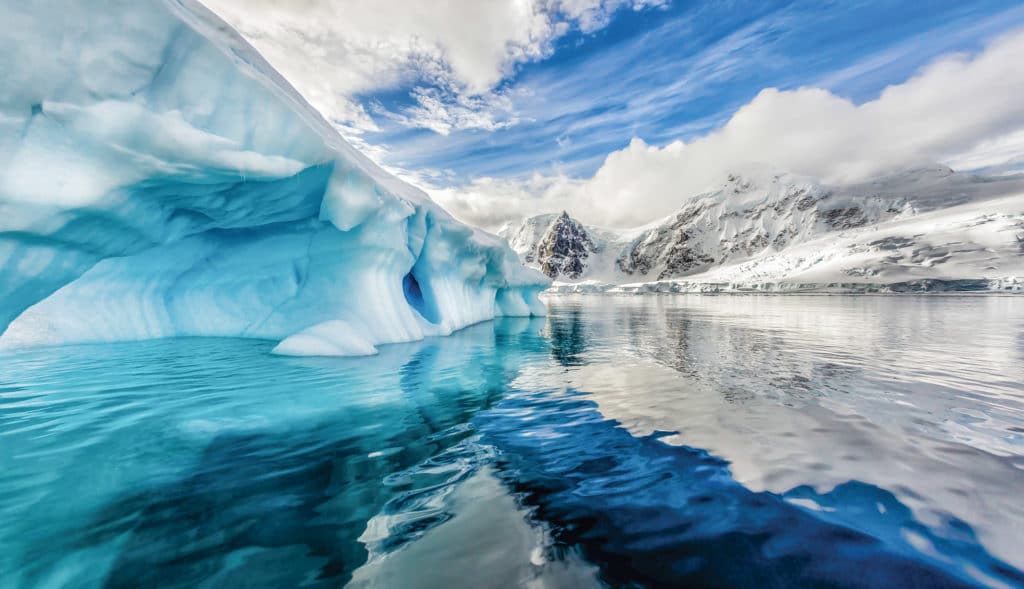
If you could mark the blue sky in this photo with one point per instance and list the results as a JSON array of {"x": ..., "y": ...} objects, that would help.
[
  {"x": 622, "y": 109},
  {"x": 672, "y": 73}
]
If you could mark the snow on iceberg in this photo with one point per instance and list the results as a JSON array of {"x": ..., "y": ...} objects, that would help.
[{"x": 158, "y": 178}]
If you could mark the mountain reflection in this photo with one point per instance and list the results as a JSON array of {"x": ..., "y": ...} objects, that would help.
[
  {"x": 871, "y": 399},
  {"x": 641, "y": 441}
]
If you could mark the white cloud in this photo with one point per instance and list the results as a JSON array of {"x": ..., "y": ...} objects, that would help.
[
  {"x": 490, "y": 202},
  {"x": 956, "y": 106},
  {"x": 1004, "y": 153},
  {"x": 334, "y": 50},
  {"x": 592, "y": 15},
  {"x": 442, "y": 110}
]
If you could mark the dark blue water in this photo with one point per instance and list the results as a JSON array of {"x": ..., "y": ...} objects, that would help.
[{"x": 637, "y": 441}]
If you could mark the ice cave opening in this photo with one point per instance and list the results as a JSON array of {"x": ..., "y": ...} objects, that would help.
[{"x": 414, "y": 296}]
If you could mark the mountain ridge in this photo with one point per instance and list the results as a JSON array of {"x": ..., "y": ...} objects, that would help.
[{"x": 926, "y": 226}]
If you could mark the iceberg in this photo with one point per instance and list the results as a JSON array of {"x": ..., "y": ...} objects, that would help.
[{"x": 158, "y": 178}]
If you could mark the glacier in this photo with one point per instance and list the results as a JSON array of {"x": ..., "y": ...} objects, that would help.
[{"x": 158, "y": 178}]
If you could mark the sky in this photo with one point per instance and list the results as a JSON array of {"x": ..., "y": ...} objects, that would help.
[{"x": 620, "y": 110}]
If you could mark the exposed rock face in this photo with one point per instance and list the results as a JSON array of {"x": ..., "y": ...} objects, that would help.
[
  {"x": 563, "y": 249},
  {"x": 845, "y": 218},
  {"x": 743, "y": 219},
  {"x": 671, "y": 247},
  {"x": 768, "y": 227}
]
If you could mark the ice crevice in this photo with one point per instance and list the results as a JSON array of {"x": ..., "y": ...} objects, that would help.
[{"x": 159, "y": 179}]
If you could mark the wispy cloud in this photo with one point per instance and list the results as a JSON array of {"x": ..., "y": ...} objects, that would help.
[
  {"x": 451, "y": 55},
  {"x": 897, "y": 60},
  {"x": 961, "y": 107},
  {"x": 520, "y": 106},
  {"x": 443, "y": 110},
  {"x": 571, "y": 117},
  {"x": 686, "y": 74}
]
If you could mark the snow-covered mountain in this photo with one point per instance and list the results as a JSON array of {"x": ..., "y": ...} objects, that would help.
[
  {"x": 158, "y": 178},
  {"x": 920, "y": 229},
  {"x": 558, "y": 245}
]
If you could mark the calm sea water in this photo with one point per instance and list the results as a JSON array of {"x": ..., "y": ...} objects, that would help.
[{"x": 639, "y": 441}]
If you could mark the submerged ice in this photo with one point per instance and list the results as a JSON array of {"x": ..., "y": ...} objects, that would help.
[{"x": 158, "y": 178}]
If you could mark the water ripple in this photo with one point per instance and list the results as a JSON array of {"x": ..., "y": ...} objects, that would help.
[{"x": 659, "y": 441}]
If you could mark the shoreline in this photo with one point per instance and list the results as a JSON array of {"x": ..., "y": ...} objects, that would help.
[{"x": 1010, "y": 286}]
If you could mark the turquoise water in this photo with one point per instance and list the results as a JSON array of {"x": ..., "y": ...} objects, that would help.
[{"x": 644, "y": 441}]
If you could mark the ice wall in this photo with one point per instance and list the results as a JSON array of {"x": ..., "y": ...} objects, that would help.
[{"x": 158, "y": 178}]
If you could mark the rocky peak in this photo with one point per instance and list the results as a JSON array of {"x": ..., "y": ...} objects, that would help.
[{"x": 564, "y": 248}]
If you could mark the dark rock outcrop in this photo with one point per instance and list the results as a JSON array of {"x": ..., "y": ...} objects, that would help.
[{"x": 564, "y": 248}]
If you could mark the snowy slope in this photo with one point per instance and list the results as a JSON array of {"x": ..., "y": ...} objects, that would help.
[
  {"x": 930, "y": 227},
  {"x": 158, "y": 178}
]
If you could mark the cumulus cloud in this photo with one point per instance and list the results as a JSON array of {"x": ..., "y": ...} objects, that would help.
[
  {"x": 1003, "y": 154},
  {"x": 334, "y": 50},
  {"x": 491, "y": 202},
  {"x": 958, "y": 106}
]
